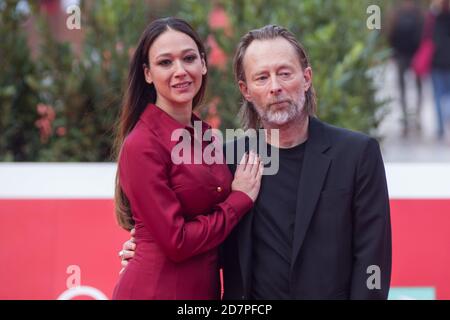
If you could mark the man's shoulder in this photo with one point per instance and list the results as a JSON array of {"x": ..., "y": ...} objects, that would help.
[
  {"x": 344, "y": 142},
  {"x": 343, "y": 135}
]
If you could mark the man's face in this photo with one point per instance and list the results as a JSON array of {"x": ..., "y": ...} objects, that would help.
[{"x": 275, "y": 82}]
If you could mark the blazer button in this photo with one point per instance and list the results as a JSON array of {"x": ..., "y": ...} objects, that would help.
[{"x": 219, "y": 189}]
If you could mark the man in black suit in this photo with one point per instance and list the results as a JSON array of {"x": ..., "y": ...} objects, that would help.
[{"x": 320, "y": 228}]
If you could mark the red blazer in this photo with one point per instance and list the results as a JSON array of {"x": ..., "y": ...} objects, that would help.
[{"x": 181, "y": 212}]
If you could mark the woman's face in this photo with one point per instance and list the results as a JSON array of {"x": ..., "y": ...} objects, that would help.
[{"x": 175, "y": 69}]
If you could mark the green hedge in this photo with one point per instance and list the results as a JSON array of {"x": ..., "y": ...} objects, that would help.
[{"x": 84, "y": 91}]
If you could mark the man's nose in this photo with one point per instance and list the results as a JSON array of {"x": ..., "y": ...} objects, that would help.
[
  {"x": 180, "y": 71},
  {"x": 275, "y": 88}
]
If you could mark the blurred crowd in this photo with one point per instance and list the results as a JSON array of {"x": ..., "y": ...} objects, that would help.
[{"x": 420, "y": 39}]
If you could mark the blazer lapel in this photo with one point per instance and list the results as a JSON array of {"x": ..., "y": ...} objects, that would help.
[
  {"x": 244, "y": 238},
  {"x": 314, "y": 172}
]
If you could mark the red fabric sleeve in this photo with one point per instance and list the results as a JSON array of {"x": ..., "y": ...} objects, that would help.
[{"x": 144, "y": 179}]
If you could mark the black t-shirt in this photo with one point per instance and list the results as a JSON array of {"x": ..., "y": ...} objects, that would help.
[{"x": 273, "y": 227}]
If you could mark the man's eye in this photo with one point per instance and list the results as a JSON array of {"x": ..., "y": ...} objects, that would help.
[
  {"x": 165, "y": 62},
  {"x": 285, "y": 74},
  {"x": 190, "y": 58},
  {"x": 261, "y": 78}
]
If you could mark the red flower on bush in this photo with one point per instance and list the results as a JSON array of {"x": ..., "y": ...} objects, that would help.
[
  {"x": 218, "y": 19},
  {"x": 44, "y": 123},
  {"x": 217, "y": 56},
  {"x": 61, "y": 131}
]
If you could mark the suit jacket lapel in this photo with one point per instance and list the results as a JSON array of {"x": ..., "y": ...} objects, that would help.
[
  {"x": 244, "y": 237},
  {"x": 245, "y": 248},
  {"x": 314, "y": 172}
]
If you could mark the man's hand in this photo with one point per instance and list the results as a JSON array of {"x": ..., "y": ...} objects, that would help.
[{"x": 127, "y": 251}]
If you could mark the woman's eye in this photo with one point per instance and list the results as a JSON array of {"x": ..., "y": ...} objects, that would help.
[
  {"x": 165, "y": 62},
  {"x": 190, "y": 58}
]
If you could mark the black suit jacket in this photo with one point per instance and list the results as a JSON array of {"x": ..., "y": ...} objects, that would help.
[{"x": 342, "y": 225}]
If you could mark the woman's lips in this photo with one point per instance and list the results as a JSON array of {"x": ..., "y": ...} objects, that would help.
[{"x": 182, "y": 85}]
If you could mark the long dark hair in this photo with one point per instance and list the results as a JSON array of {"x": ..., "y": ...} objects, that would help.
[{"x": 139, "y": 93}]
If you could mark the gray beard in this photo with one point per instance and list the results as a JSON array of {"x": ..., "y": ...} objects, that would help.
[{"x": 280, "y": 117}]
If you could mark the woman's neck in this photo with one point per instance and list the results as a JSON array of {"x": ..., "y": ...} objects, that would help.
[{"x": 181, "y": 113}]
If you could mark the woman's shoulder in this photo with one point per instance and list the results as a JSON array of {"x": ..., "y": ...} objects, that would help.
[
  {"x": 142, "y": 147},
  {"x": 140, "y": 138}
]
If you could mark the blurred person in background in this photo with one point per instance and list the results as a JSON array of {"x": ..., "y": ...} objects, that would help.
[
  {"x": 180, "y": 212},
  {"x": 404, "y": 38},
  {"x": 439, "y": 17}
]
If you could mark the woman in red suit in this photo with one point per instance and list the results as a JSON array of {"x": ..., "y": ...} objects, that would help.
[{"x": 181, "y": 212}]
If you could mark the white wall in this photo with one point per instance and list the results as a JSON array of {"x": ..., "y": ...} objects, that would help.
[{"x": 96, "y": 180}]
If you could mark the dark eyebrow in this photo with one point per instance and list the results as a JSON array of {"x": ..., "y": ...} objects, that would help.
[
  {"x": 285, "y": 66},
  {"x": 169, "y": 55},
  {"x": 260, "y": 73}
]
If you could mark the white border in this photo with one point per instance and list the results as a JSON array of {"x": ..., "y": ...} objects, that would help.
[
  {"x": 96, "y": 180},
  {"x": 57, "y": 180},
  {"x": 418, "y": 180}
]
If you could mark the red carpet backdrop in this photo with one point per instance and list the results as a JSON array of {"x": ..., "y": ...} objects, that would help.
[{"x": 59, "y": 237}]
